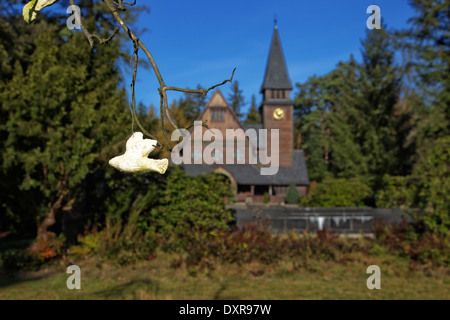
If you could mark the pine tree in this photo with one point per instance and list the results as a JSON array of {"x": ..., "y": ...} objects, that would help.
[
  {"x": 191, "y": 104},
  {"x": 292, "y": 196},
  {"x": 253, "y": 116},
  {"x": 429, "y": 44},
  {"x": 236, "y": 99},
  {"x": 347, "y": 124},
  {"x": 349, "y": 118},
  {"x": 314, "y": 101},
  {"x": 180, "y": 118},
  {"x": 66, "y": 119},
  {"x": 380, "y": 88}
]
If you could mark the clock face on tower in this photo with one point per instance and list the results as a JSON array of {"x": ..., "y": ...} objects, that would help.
[{"x": 278, "y": 114}]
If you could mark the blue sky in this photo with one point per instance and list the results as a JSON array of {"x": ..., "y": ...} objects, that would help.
[{"x": 200, "y": 42}]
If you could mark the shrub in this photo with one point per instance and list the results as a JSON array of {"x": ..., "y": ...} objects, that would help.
[
  {"x": 397, "y": 192},
  {"x": 432, "y": 175},
  {"x": 251, "y": 243},
  {"x": 255, "y": 243},
  {"x": 88, "y": 246},
  {"x": 338, "y": 193},
  {"x": 47, "y": 248},
  {"x": 292, "y": 196},
  {"x": 404, "y": 240},
  {"x": 122, "y": 240},
  {"x": 19, "y": 256},
  {"x": 14, "y": 260},
  {"x": 190, "y": 205}
]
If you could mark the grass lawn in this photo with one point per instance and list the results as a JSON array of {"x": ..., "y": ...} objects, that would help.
[{"x": 160, "y": 278}]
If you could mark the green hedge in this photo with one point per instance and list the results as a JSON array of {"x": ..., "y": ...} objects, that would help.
[{"x": 337, "y": 193}]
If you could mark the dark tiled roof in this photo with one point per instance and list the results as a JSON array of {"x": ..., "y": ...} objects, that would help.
[
  {"x": 252, "y": 126},
  {"x": 249, "y": 174},
  {"x": 276, "y": 76}
]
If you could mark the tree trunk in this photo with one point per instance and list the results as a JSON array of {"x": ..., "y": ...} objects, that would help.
[
  {"x": 299, "y": 141},
  {"x": 50, "y": 219}
]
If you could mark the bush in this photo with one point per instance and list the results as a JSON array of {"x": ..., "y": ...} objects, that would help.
[
  {"x": 88, "y": 246},
  {"x": 403, "y": 239},
  {"x": 20, "y": 255},
  {"x": 432, "y": 175},
  {"x": 47, "y": 248},
  {"x": 397, "y": 192},
  {"x": 338, "y": 193},
  {"x": 292, "y": 196},
  {"x": 14, "y": 260},
  {"x": 254, "y": 242},
  {"x": 122, "y": 241},
  {"x": 189, "y": 205}
]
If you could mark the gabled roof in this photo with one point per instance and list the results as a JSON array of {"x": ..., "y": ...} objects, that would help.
[
  {"x": 250, "y": 175},
  {"x": 276, "y": 76},
  {"x": 217, "y": 100}
]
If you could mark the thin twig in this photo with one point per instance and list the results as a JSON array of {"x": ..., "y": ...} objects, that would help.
[
  {"x": 163, "y": 88},
  {"x": 133, "y": 95},
  {"x": 202, "y": 91},
  {"x": 120, "y": 5},
  {"x": 90, "y": 37}
]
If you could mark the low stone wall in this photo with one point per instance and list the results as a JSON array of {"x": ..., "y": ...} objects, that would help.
[{"x": 286, "y": 218}]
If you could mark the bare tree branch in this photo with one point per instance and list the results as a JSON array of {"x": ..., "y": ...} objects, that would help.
[
  {"x": 91, "y": 36},
  {"x": 120, "y": 5},
  {"x": 202, "y": 91},
  {"x": 114, "y": 7}
]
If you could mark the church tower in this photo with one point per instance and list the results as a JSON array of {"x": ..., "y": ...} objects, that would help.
[{"x": 277, "y": 107}]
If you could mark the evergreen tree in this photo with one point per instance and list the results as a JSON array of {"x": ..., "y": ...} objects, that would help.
[
  {"x": 181, "y": 120},
  {"x": 253, "y": 116},
  {"x": 191, "y": 104},
  {"x": 349, "y": 118},
  {"x": 429, "y": 44},
  {"x": 380, "y": 88},
  {"x": 347, "y": 124},
  {"x": 65, "y": 120},
  {"x": 432, "y": 175},
  {"x": 236, "y": 99},
  {"x": 314, "y": 100},
  {"x": 292, "y": 196}
]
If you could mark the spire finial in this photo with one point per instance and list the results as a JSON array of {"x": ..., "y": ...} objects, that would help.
[{"x": 275, "y": 21}]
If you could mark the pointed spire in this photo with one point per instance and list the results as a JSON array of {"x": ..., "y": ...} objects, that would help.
[{"x": 276, "y": 76}]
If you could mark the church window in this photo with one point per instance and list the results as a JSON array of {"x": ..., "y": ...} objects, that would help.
[{"x": 217, "y": 114}]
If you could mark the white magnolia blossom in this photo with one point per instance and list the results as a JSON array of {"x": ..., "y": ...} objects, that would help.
[
  {"x": 31, "y": 9},
  {"x": 135, "y": 159}
]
